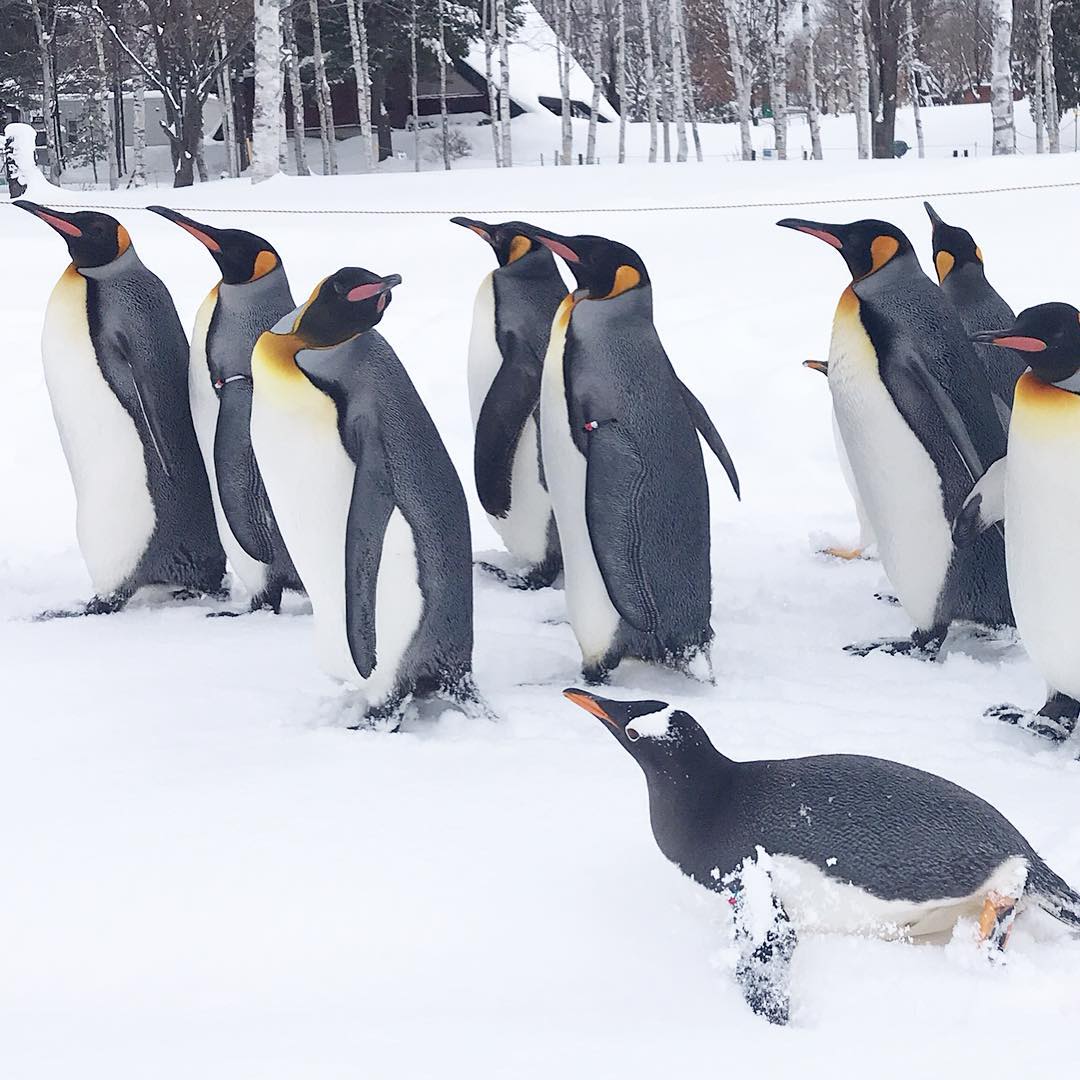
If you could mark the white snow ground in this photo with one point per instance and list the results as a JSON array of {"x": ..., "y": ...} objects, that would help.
[{"x": 205, "y": 875}]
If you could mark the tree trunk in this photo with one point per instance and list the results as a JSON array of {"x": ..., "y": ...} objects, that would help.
[
  {"x": 283, "y": 138},
  {"x": 740, "y": 76},
  {"x": 691, "y": 103},
  {"x": 678, "y": 78},
  {"x": 487, "y": 17},
  {"x": 101, "y": 95},
  {"x": 620, "y": 75},
  {"x": 384, "y": 133},
  {"x": 444, "y": 120},
  {"x": 413, "y": 90},
  {"x": 48, "y": 89},
  {"x": 650, "y": 74},
  {"x": 1001, "y": 84},
  {"x": 778, "y": 78},
  {"x": 564, "y": 86},
  {"x": 596, "y": 28},
  {"x": 138, "y": 129},
  {"x": 1039, "y": 107},
  {"x": 911, "y": 64},
  {"x": 225, "y": 96},
  {"x": 861, "y": 73},
  {"x": 1046, "y": 52},
  {"x": 296, "y": 90},
  {"x": 266, "y": 116},
  {"x": 369, "y": 156},
  {"x": 504, "y": 82},
  {"x": 663, "y": 56},
  {"x": 190, "y": 122},
  {"x": 813, "y": 115},
  {"x": 887, "y": 29},
  {"x": 322, "y": 95}
]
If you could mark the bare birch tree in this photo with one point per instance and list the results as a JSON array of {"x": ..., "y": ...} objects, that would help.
[
  {"x": 266, "y": 110},
  {"x": 741, "y": 75},
  {"x": 860, "y": 79},
  {"x": 296, "y": 90},
  {"x": 691, "y": 103},
  {"x": 596, "y": 28},
  {"x": 138, "y": 129},
  {"x": 327, "y": 135},
  {"x": 620, "y": 74},
  {"x": 413, "y": 92},
  {"x": 813, "y": 114},
  {"x": 911, "y": 67},
  {"x": 650, "y": 74},
  {"x": 778, "y": 77},
  {"x": 444, "y": 120},
  {"x": 1038, "y": 106},
  {"x": 1046, "y": 52},
  {"x": 228, "y": 117},
  {"x": 1001, "y": 83},
  {"x": 504, "y": 82},
  {"x": 678, "y": 78},
  {"x": 487, "y": 25},
  {"x": 101, "y": 104},
  {"x": 45, "y": 28},
  {"x": 362, "y": 73}
]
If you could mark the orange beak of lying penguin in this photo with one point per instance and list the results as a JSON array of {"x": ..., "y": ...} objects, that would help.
[{"x": 591, "y": 704}]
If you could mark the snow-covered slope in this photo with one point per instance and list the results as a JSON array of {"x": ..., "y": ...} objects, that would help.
[{"x": 205, "y": 875}]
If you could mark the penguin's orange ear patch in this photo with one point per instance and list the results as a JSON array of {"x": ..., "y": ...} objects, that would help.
[
  {"x": 559, "y": 249},
  {"x": 265, "y": 261},
  {"x": 1021, "y": 344},
  {"x": 520, "y": 245}
]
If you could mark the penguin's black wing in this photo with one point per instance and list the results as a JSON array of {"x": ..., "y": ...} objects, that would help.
[
  {"x": 369, "y": 512},
  {"x": 615, "y": 491},
  {"x": 240, "y": 487},
  {"x": 703, "y": 422},
  {"x": 511, "y": 400}
]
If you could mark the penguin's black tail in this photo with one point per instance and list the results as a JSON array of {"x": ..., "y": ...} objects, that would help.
[{"x": 1054, "y": 895}]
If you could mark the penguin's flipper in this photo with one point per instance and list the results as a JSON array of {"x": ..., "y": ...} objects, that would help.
[
  {"x": 983, "y": 508},
  {"x": 240, "y": 486},
  {"x": 703, "y": 422},
  {"x": 1003, "y": 411},
  {"x": 511, "y": 400},
  {"x": 369, "y": 513},
  {"x": 614, "y": 486}
]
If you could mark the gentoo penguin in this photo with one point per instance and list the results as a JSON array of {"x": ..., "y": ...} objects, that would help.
[
  {"x": 866, "y": 530},
  {"x": 1035, "y": 490},
  {"x": 252, "y": 296},
  {"x": 958, "y": 261},
  {"x": 512, "y": 319},
  {"x": 837, "y": 843},
  {"x": 366, "y": 498},
  {"x": 624, "y": 467},
  {"x": 918, "y": 423},
  {"x": 115, "y": 360}
]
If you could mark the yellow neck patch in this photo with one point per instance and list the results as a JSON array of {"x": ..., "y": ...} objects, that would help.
[
  {"x": 943, "y": 263},
  {"x": 519, "y": 246},
  {"x": 562, "y": 316},
  {"x": 1042, "y": 410},
  {"x": 626, "y": 278},
  {"x": 265, "y": 261}
]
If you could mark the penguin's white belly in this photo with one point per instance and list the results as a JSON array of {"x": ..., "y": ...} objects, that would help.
[
  {"x": 115, "y": 515},
  {"x": 204, "y": 414},
  {"x": 817, "y": 902},
  {"x": 592, "y": 615},
  {"x": 1042, "y": 534},
  {"x": 309, "y": 479},
  {"x": 866, "y": 530},
  {"x": 525, "y": 527},
  {"x": 895, "y": 477}
]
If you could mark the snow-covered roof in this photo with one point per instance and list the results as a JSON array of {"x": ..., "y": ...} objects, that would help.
[{"x": 534, "y": 68}]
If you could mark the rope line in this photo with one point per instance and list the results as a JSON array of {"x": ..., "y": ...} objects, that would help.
[{"x": 397, "y": 212}]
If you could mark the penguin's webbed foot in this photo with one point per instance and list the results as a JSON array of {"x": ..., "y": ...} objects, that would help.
[
  {"x": 463, "y": 694},
  {"x": 922, "y": 645},
  {"x": 996, "y": 920},
  {"x": 387, "y": 717},
  {"x": 847, "y": 554},
  {"x": 1055, "y": 721},
  {"x": 97, "y": 605},
  {"x": 595, "y": 674},
  {"x": 887, "y": 598},
  {"x": 538, "y": 577}
]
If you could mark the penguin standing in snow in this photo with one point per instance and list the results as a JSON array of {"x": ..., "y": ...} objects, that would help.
[
  {"x": 512, "y": 317},
  {"x": 624, "y": 467},
  {"x": 843, "y": 844},
  {"x": 919, "y": 425},
  {"x": 1035, "y": 490},
  {"x": 367, "y": 500},
  {"x": 115, "y": 360},
  {"x": 252, "y": 296},
  {"x": 961, "y": 274}
]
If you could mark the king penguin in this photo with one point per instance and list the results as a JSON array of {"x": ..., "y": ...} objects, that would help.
[
  {"x": 919, "y": 426},
  {"x": 624, "y": 468},
  {"x": 512, "y": 317},
  {"x": 961, "y": 274},
  {"x": 367, "y": 500},
  {"x": 115, "y": 359},
  {"x": 835, "y": 843},
  {"x": 252, "y": 296},
  {"x": 1035, "y": 490}
]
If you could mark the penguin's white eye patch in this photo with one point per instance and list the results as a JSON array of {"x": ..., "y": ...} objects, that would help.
[
  {"x": 632, "y": 734},
  {"x": 655, "y": 725}
]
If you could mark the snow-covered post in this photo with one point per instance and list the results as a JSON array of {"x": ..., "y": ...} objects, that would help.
[
  {"x": 296, "y": 91},
  {"x": 861, "y": 78},
  {"x": 266, "y": 113},
  {"x": 813, "y": 114},
  {"x": 444, "y": 120},
  {"x": 101, "y": 103},
  {"x": 911, "y": 66},
  {"x": 564, "y": 85},
  {"x": 778, "y": 78},
  {"x": 18, "y": 158},
  {"x": 225, "y": 96},
  {"x": 322, "y": 94},
  {"x": 596, "y": 28},
  {"x": 678, "y": 78},
  {"x": 504, "y": 82},
  {"x": 413, "y": 93},
  {"x": 1001, "y": 85},
  {"x": 620, "y": 73},
  {"x": 1046, "y": 52},
  {"x": 650, "y": 74},
  {"x": 740, "y": 75},
  {"x": 487, "y": 19},
  {"x": 138, "y": 129}
]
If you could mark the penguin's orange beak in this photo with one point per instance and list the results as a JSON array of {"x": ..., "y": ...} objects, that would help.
[
  {"x": 60, "y": 222},
  {"x": 201, "y": 232},
  {"x": 1006, "y": 340},
  {"x": 817, "y": 365},
  {"x": 590, "y": 705},
  {"x": 813, "y": 228}
]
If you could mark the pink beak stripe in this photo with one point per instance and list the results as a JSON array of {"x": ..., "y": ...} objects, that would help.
[
  {"x": 213, "y": 245},
  {"x": 1022, "y": 344},
  {"x": 60, "y": 225},
  {"x": 559, "y": 249},
  {"x": 365, "y": 292},
  {"x": 821, "y": 234}
]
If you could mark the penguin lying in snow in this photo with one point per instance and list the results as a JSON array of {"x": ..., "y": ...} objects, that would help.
[
  {"x": 919, "y": 425},
  {"x": 115, "y": 360},
  {"x": 961, "y": 274},
  {"x": 515, "y": 305},
  {"x": 252, "y": 295},
  {"x": 367, "y": 500},
  {"x": 1035, "y": 490},
  {"x": 854, "y": 844},
  {"x": 624, "y": 467}
]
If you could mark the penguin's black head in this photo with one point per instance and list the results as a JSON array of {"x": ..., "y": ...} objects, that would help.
[
  {"x": 242, "y": 256},
  {"x": 506, "y": 239},
  {"x": 602, "y": 268},
  {"x": 93, "y": 239},
  {"x": 866, "y": 246},
  {"x": 652, "y": 731},
  {"x": 1049, "y": 337},
  {"x": 343, "y": 305},
  {"x": 953, "y": 247}
]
